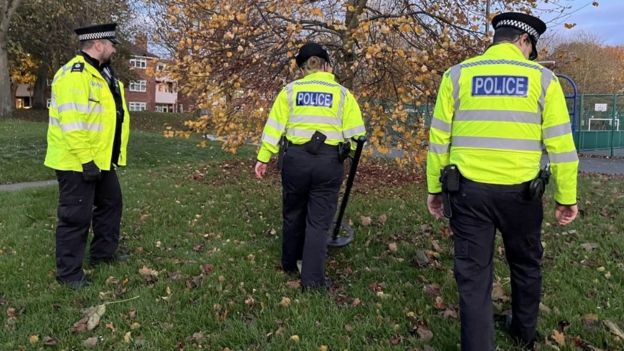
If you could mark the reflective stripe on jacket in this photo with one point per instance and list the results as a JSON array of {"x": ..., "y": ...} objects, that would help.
[
  {"x": 314, "y": 103},
  {"x": 83, "y": 118},
  {"x": 494, "y": 114}
]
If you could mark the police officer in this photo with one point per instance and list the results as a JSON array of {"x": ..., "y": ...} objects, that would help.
[
  {"x": 492, "y": 116},
  {"x": 316, "y": 115},
  {"x": 87, "y": 139}
]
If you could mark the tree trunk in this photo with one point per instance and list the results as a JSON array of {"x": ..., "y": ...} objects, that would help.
[
  {"x": 7, "y": 9},
  {"x": 39, "y": 90},
  {"x": 6, "y": 105}
]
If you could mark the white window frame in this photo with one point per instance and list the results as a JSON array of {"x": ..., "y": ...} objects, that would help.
[
  {"x": 139, "y": 86},
  {"x": 138, "y": 62},
  {"x": 137, "y": 106},
  {"x": 160, "y": 67}
]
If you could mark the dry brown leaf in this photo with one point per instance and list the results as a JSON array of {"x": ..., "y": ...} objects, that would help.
[
  {"x": 614, "y": 329},
  {"x": 33, "y": 339},
  {"x": 295, "y": 338},
  {"x": 128, "y": 337},
  {"x": 558, "y": 337},
  {"x": 285, "y": 302},
  {"x": 382, "y": 219},
  {"x": 392, "y": 247},
  {"x": 149, "y": 275},
  {"x": 90, "y": 342},
  {"x": 49, "y": 341},
  {"x": 94, "y": 314},
  {"x": 366, "y": 221},
  {"x": 294, "y": 284},
  {"x": 424, "y": 333}
]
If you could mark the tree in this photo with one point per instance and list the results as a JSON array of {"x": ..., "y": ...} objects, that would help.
[
  {"x": 596, "y": 68},
  {"x": 234, "y": 56},
  {"x": 45, "y": 30},
  {"x": 7, "y": 10}
]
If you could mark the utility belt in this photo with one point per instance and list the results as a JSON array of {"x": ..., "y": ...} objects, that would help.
[
  {"x": 451, "y": 180},
  {"x": 315, "y": 146}
]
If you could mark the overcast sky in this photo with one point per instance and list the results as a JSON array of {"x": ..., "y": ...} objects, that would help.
[{"x": 606, "y": 20}]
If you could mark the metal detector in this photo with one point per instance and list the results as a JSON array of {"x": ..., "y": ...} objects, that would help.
[{"x": 347, "y": 232}]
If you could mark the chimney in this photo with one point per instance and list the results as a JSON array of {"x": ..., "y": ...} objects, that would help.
[{"x": 140, "y": 42}]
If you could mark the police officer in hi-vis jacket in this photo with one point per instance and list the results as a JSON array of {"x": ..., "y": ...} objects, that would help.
[
  {"x": 494, "y": 114},
  {"x": 316, "y": 116}
]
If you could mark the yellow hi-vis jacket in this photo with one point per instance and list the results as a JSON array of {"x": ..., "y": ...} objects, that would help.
[
  {"x": 83, "y": 118},
  {"x": 313, "y": 103},
  {"x": 494, "y": 114}
]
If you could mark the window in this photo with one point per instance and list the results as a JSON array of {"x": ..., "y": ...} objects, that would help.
[
  {"x": 138, "y": 85},
  {"x": 166, "y": 87},
  {"x": 137, "y": 106},
  {"x": 164, "y": 108},
  {"x": 140, "y": 62},
  {"x": 160, "y": 67}
]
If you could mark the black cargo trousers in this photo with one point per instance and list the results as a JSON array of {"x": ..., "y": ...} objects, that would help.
[
  {"x": 310, "y": 185},
  {"x": 82, "y": 205},
  {"x": 478, "y": 211}
]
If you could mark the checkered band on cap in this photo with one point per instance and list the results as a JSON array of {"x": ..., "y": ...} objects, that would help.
[
  {"x": 519, "y": 25},
  {"x": 95, "y": 36}
]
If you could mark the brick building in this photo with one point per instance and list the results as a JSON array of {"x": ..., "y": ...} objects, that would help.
[{"x": 151, "y": 91}]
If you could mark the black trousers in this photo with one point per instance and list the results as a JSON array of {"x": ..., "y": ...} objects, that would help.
[
  {"x": 310, "y": 195},
  {"x": 478, "y": 210},
  {"x": 82, "y": 205}
]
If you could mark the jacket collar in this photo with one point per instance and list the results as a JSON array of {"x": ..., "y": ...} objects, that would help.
[
  {"x": 326, "y": 76},
  {"x": 507, "y": 50}
]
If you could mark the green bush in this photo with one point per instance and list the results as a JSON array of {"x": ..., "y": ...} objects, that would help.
[{"x": 146, "y": 121}]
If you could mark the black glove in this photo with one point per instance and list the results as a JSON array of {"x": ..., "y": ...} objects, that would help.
[{"x": 91, "y": 172}]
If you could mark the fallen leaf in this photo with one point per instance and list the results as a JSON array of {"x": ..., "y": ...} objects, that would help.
[
  {"x": 111, "y": 326},
  {"x": 590, "y": 246},
  {"x": 135, "y": 326},
  {"x": 432, "y": 289},
  {"x": 294, "y": 338},
  {"x": 356, "y": 302},
  {"x": 421, "y": 259},
  {"x": 148, "y": 274},
  {"x": 207, "y": 268},
  {"x": 366, "y": 221},
  {"x": 439, "y": 303},
  {"x": 90, "y": 342},
  {"x": 558, "y": 337},
  {"x": 396, "y": 340},
  {"x": 33, "y": 339},
  {"x": 49, "y": 341},
  {"x": 544, "y": 309},
  {"x": 498, "y": 293},
  {"x": 392, "y": 247},
  {"x": 128, "y": 337},
  {"x": 285, "y": 302},
  {"x": 94, "y": 314},
  {"x": 614, "y": 329},
  {"x": 112, "y": 281},
  {"x": 294, "y": 284},
  {"x": 323, "y": 348},
  {"x": 382, "y": 219},
  {"x": 424, "y": 333}
]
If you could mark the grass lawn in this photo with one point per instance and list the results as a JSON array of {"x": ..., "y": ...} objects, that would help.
[{"x": 205, "y": 245}]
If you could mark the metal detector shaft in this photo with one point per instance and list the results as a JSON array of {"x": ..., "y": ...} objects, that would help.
[{"x": 345, "y": 199}]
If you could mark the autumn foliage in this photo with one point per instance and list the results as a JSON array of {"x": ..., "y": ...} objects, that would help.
[{"x": 235, "y": 56}]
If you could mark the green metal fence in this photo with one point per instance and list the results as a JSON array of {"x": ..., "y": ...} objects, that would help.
[{"x": 600, "y": 125}]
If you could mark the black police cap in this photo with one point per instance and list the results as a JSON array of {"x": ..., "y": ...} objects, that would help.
[
  {"x": 308, "y": 50},
  {"x": 531, "y": 25},
  {"x": 98, "y": 31}
]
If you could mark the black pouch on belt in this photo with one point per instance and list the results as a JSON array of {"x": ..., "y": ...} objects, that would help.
[
  {"x": 450, "y": 179},
  {"x": 537, "y": 187},
  {"x": 315, "y": 143},
  {"x": 344, "y": 149},
  {"x": 283, "y": 144}
]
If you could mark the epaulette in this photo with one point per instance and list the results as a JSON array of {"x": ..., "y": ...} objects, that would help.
[{"x": 78, "y": 67}]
